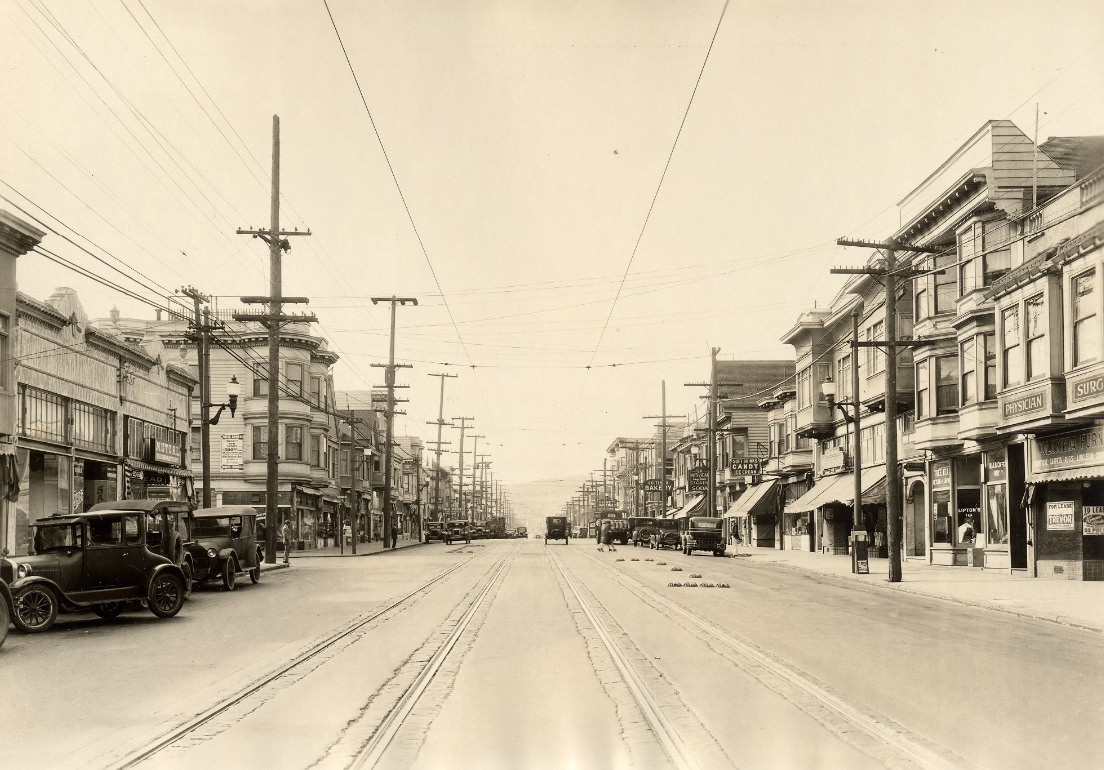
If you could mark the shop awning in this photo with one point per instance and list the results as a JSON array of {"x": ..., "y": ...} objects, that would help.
[
  {"x": 841, "y": 489},
  {"x": 138, "y": 465},
  {"x": 690, "y": 507},
  {"x": 758, "y": 497},
  {"x": 1069, "y": 474}
]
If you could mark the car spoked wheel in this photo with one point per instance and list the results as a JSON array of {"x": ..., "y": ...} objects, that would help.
[
  {"x": 36, "y": 609},
  {"x": 166, "y": 595},
  {"x": 255, "y": 573},
  {"x": 109, "y": 610},
  {"x": 229, "y": 579}
]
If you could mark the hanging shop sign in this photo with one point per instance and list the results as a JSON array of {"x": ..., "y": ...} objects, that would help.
[
  {"x": 1059, "y": 516},
  {"x": 745, "y": 466},
  {"x": 1093, "y": 520},
  {"x": 698, "y": 479},
  {"x": 233, "y": 451},
  {"x": 656, "y": 485},
  {"x": 1071, "y": 450}
]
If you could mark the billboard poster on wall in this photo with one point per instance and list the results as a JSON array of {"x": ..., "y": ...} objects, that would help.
[
  {"x": 233, "y": 451},
  {"x": 1059, "y": 516},
  {"x": 1093, "y": 520}
]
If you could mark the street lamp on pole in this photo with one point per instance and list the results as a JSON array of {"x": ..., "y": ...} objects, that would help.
[
  {"x": 233, "y": 390},
  {"x": 859, "y": 561}
]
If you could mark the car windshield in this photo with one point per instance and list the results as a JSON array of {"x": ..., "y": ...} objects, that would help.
[
  {"x": 215, "y": 525},
  {"x": 49, "y": 538}
]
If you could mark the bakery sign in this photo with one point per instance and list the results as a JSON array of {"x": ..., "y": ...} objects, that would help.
[{"x": 1070, "y": 450}]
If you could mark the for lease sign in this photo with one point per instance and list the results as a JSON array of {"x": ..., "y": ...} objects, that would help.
[{"x": 1059, "y": 515}]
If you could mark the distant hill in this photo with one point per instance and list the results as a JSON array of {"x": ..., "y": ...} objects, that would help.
[{"x": 533, "y": 500}]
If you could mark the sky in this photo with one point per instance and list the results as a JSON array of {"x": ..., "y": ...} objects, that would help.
[{"x": 584, "y": 197}]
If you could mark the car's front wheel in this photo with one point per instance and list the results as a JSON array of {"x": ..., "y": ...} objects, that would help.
[
  {"x": 229, "y": 578},
  {"x": 189, "y": 577},
  {"x": 255, "y": 573},
  {"x": 166, "y": 595},
  {"x": 36, "y": 609}
]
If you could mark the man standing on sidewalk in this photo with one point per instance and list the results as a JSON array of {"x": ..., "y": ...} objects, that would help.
[{"x": 285, "y": 533}]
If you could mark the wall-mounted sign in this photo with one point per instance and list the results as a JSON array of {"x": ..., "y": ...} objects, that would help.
[
  {"x": 1059, "y": 516},
  {"x": 833, "y": 459},
  {"x": 996, "y": 467},
  {"x": 1090, "y": 387},
  {"x": 1071, "y": 450},
  {"x": 941, "y": 475},
  {"x": 746, "y": 466},
  {"x": 698, "y": 479},
  {"x": 164, "y": 452},
  {"x": 233, "y": 451},
  {"x": 1092, "y": 519},
  {"x": 656, "y": 485},
  {"x": 1023, "y": 405}
]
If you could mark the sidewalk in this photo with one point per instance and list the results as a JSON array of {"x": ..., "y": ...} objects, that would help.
[
  {"x": 1069, "y": 602},
  {"x": 363, "y": 549}
]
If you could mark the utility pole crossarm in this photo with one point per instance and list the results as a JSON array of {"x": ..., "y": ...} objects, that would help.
[{"x": 888, "y": 245}]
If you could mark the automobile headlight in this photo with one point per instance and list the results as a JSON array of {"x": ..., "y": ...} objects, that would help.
[
  {"x": 212, "y": 553},
  {"x": 23, "y": 570}
]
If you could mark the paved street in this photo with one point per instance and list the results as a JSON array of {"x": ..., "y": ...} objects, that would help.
[{"x": 522, "y": 654}]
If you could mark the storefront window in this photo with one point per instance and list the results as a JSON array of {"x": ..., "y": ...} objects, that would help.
[
  {"x": 43, "y": 415},
  {"x": 941, "y": 502},
  {"x": 1086, "y": 327},
  {"x": 967, "y": 499},
  {"x": 996, "y": 504}
]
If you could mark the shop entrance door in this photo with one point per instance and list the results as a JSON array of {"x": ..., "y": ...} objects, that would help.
[
  {"x": 918, "y": 541},
  {"x": 1017, "y": 514}
]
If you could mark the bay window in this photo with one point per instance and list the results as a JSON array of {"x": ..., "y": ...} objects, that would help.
[
  {"x": 875, "y": 357},
  {"x": 989, "y": 350},
  {"x": 946, "y": 384},
  {"x": 946, "y": 284},
  {"x": 923, "y": 388},
  {"x": 260, "y": 442},
  {"x": 1010, "y": 350},
  {"x": 970, "y": 365},
  {"x": 1035, "y": 328},
  {"x": 293, "y": 442},
  {"x": 1086, "y": 324},
  {"x": 294, "y": 376}
]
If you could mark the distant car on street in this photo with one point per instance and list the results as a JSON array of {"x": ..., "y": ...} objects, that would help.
[
  {"x": 522, "y": 532},
  {"x": 97, "y": 560},
  {"x": 702, "y": 533},
  {"x": 479, "y": 532},
  {"x": 224, "y": 543},
  {"x": 435, "y": 530},
  {"x": 640, "y": 529},
  {"x": 458, "y": 530},
  {"x": 664, "y": 534}
]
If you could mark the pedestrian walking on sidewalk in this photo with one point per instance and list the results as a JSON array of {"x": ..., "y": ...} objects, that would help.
[
  {"x": 285, "y": 533},
  {"x": 348, "y": 532}
]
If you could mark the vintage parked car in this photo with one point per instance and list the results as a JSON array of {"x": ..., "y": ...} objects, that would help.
[
  {"x": 479, "y": 532},
  {"x": 224, "y": 543},
  {"x": 166, "y": 529},
  {"x": 5, "y": 611},
  {"x": 665, "y": 534},
  {"x": 702, "y": 533},
  {"x": 619, "y": 531},
  {"x": 98, "y": 560},
  {"x": 435, "y": 530},
  {"x": 458, "y": 530},
  {"x": 640, "y": 529},
  {"x": 556, "y": 528}
]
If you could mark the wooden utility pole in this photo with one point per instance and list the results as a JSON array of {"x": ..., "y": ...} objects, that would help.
[
  {"x": 202, "y": 329},
  {"x": 354, "y": 466},
  {"x": 662, "y": 452},
  {"x": 888, "y": 274},
  {"x": 460, "y": 499},
  {"x": 440, "y": 424},
  {"x": 277, "y": 241},
  {"x": 388, "y": 539},
  {"x": 474, "y": 464}
]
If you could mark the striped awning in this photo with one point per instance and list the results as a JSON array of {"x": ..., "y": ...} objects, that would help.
[
  {"x": 691, "y": 507},
  {"x": 757, "y": 497}
]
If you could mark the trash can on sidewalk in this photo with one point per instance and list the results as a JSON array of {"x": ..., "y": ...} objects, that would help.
[{"x": 860, "y": 560}]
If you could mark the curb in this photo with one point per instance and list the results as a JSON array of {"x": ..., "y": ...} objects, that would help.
[
  {"x": 982, "y": 605},
  {"x": 373, "y": 552}
]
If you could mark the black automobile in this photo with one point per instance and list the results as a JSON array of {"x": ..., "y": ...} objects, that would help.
[
  {"x": 435, "y": 530},
  {"x": 166, "y": 528},
  {"x": 556, "y": 528},
  {"x": 5, "y": 611},
  {"x": 702, "y": 533},
  {"x": 97, "y": 560},
  {"x": 479, "y": 532},
  {"x": 224, "y": 543},
  {"x": 664, "y": 534},
  {"x": 640, "y": 529},
  {"x": 457, "y": 530}
]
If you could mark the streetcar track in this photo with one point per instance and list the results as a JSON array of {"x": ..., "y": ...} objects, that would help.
[
  {"x": 662, "y": 728},
  {"x": 912, "y": 748},
  {"x": 373, "y": 749},
  {"x": 182, "y": 731}
]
